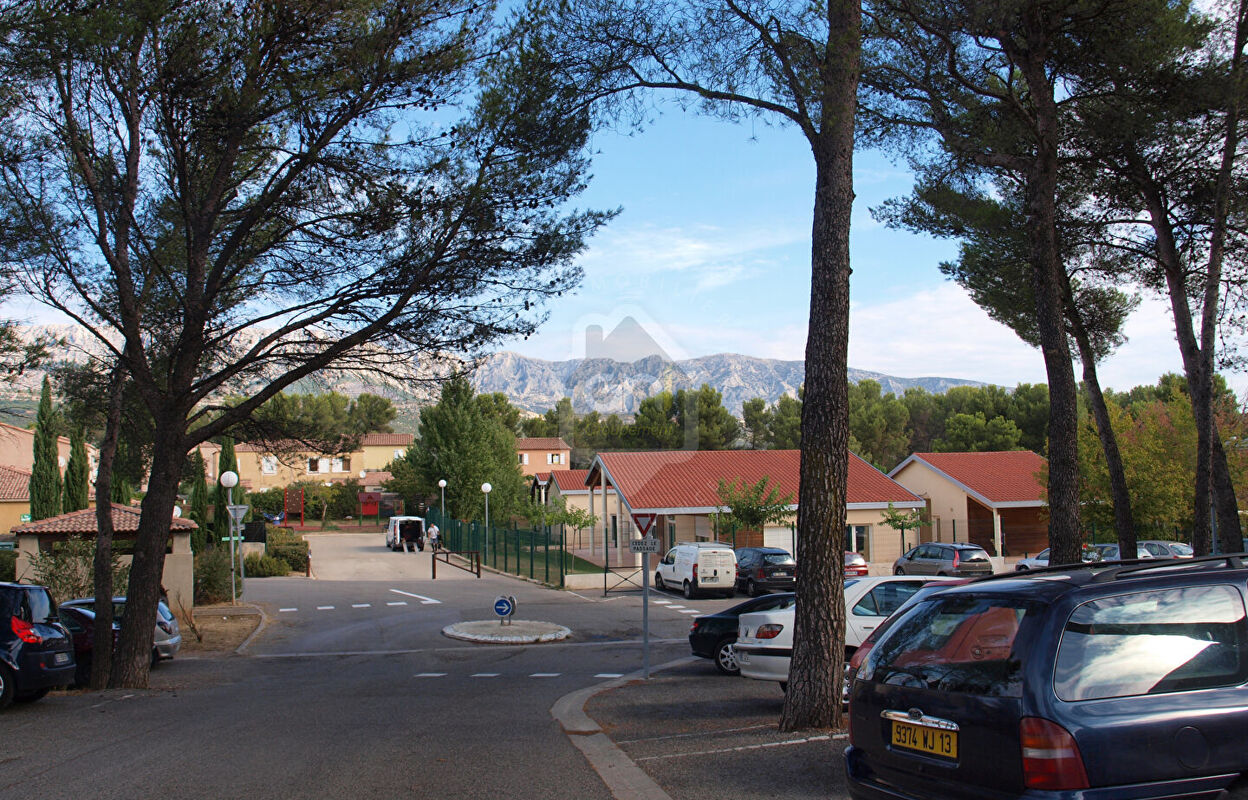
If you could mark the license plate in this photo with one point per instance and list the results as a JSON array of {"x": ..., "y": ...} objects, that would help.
[
  {"x": 61, "y": 658},
  {"x": 781, "y": 574},
  {"x": 925, "y": 740}
]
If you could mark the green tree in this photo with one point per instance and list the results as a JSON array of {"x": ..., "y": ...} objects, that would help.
[
  {"x": 754, "y": 419},
  {"x": 328, "y": 423},
  {"x": 785, "y": 425},
  {"x": 466, "y": 443},
  {"x": 971, "y": 433},
  {"x": 77, "y": 474},
  {"x": 879, "y": 425},
  {"x": 745, "y": 506},
  {"x": 199, "y": 503},
  {"x": 705, "y": 423},
  {"x": 227, "y": 461},
  {"x": 902, "y": 521},
  {"x": 654, "y": 425},
  {"x": 355, "y": 183},
  {"x": 45, "y": 474}
]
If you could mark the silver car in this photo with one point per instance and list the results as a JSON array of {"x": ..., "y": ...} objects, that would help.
[
  {"x": 954, "y": 559},
  {"x": 166, "y": 639},
  {"x": 1158, "y": 548}
]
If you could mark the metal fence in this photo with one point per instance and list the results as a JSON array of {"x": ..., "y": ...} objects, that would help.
[{"x": 536, "y": 554}]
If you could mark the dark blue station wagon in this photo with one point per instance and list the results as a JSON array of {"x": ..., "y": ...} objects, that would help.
[{"x": 1093, "y": 681}]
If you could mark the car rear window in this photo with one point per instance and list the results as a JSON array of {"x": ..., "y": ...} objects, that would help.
[
  {"x": 965, "y": 643},
  {"x": 969, "y": 554},
  {"x": 778, "y": 559},
  {"x": 39, "y": 606},
  {"x": 1154, "y": 642}
]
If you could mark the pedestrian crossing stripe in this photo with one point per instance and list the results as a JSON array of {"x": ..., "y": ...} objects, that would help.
[
  {"x": 287, "y": 609},
  {"x": 430, "y": 675},
  {"x": 486, "y": 674},
  {"x": 545, "y": 675},
  {"x": 397, "y": 603}
]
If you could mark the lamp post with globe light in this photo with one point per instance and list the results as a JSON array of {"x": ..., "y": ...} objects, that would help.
[
  {"x": 485, "y": 487},
  {"x": 442, "y": 489},
  {"x": 229, "y": 479}
]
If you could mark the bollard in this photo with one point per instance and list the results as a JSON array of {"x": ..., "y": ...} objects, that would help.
[{"x": 308, "y": 570}]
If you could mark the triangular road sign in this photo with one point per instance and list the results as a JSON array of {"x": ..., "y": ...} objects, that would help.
[{"x": 644, "y": 523}]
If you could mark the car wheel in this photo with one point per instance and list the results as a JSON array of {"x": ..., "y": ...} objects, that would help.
[
  {"x": 751, "y": 589},
  {"x": 658, "y": 581},
  {"x": 155, "y": 656},
  {"x": 726, "y": 657},
  {"x": 942, "y": 574},
  {"x": 31, "y": 697},
  {"x": 689, "y": 590},
  {"x": 6, "y": 687},
  {"x": 898, "y": 571},
  {"x": 1021, "y": 568},
  {"x": 784, "y": 686}
]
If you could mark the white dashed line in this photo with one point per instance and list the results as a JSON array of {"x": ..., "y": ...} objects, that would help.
[
  {"x": 287, "y": 609},
  {"x": 429, "y": 675},
  {"x": 324, "y": 608},
  {"x": 691, "y": 611},
  {"x": 361, "y": 605},
  {"x": 609, "y": 675},
  {"x": 486, "y": 674},
  {"x": 545, "y": 675},
  {"x": 675, "y": 608},
  {"x": 399, "y": 603},
  {"x": 660, "y": 602}
]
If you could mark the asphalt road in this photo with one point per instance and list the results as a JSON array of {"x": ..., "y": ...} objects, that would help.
[{"x": 350, "y": 690}]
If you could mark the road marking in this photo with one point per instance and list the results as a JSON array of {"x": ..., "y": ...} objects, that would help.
[
  {"x": 691, "y": 611},
  {"x": 486, "y": 674},
  {"x": 545, "y": 675},
  {"x": 288, "y": 609},
  {"x": 807, "y": 740},
  {"x": 361, "y": 605},
  {"x": 675, "y": 608},
  {"x": 424, "y": 601},
  {"x": 429, "y": 675},
  {"x": 399, "y": 603},
  {"x": 660, "y": 602},
  {"x": 609, "y": 675},
  {"x": 324, "y": 608}
]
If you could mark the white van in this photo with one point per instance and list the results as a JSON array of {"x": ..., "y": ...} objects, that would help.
[
  {"x": 698, "y": 567},
  {"x": 406, "y": 533}
]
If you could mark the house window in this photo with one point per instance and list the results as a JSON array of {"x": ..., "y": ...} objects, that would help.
[
  {"x": 399, "y": 453},
  {"x": 524, "y": 458},
  {"x": 554, "y": 458},
  {"x": 322, "y": 465},
  {"x": 346, "y": 463},
  {"x": 268, "y": 465},
  {"x": 312, "y": 464},
  {"x": 335, "y": 465},
  {"x": 858, "y": 540}
]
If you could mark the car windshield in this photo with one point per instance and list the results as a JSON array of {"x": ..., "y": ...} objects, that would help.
[
  {"x": 963, "y": 643},
  {"x": 1180, "y": 549},
  {"x": 778, "y": 559}
]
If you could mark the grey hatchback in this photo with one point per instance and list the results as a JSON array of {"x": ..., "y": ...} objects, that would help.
[{"x": 960, "y": 559}]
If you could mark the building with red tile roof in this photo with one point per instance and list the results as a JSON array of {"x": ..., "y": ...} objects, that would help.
[
  {"x": 993, "y": 499},
  {"x": 178, "y": 576},
  {"x": 569, "y": 486},
  {"x": 261, "y": 468},
  {"x": 14, "y": 496},
  {"x": 542, "y": 454},
  {"x": 681, "y": 487}
]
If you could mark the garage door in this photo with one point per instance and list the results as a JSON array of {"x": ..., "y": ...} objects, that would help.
[{"x": 783, "y": 537}]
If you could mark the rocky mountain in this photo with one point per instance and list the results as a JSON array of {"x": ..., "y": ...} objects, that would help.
[{"x": 602, "y": 384}]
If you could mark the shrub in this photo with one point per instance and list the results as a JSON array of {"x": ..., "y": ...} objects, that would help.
[
  {"x": 344, "y": 499},
  {"x": 287, "y": 546},
  {"x": 68, "y": 569},
  {"x": 212, "y": 576},
  {"x": 267, "y": 502},
  {"x": 264, "y": 566},
  {"x": 8, "y": 565}
]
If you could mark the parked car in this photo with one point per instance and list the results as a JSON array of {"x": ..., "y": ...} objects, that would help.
[
  {"x": 855, "y": 565},
  {"x": 405, "y": 534},
  {"x": 1109, "y": 552},
  {"x": 765, "y": 569},
  {"x": 80, "y": 622},
  {"x": 1159, "y": 548},
  {"x": 36, "y": 653},
  {"x": 167, "y": 638},
  {"x": 764, "y": 645},
  {"x": 1041, "y": 560},
  {"x": 1108, "y": 680},
  {"x": 696, "y": 567},
  {"x": 936, "y": 558},
  {"x": 713, "y": 635}
]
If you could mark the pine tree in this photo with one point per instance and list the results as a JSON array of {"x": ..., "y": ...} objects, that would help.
[
  {"x": 45, "y": 474},
  {"x": 199, "y": 503},
  {"x": 77, "y": 481}
]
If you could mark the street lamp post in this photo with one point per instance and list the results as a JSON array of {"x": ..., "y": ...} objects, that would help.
[
  {"x": 442, "y": 489},
  {"x": 485, "y": 487},
  {"x": 229, "y": 480}
]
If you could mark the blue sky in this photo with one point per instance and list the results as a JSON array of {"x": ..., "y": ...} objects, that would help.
[{"x": 711, "y": 253}]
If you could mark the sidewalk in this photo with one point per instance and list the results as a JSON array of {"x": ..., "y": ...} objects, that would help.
[{"x": 690, "y": 732}]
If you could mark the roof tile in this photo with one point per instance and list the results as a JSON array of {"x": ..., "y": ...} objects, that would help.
[
  {"x": 14, "y": 484},
  {"x": 1004, "y": 476},
  {"x": 125, "y": 520},
  {"x": 541, "y": 443}
]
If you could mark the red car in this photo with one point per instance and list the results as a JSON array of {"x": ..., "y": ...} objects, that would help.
[
  {"x": 80, "y": 622},
  {"x": 855, "y": 565}
]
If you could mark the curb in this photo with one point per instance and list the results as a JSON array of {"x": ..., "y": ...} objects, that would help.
[
  {"x": 623, "y": 777},
  {"x": 536, "y": 632}
]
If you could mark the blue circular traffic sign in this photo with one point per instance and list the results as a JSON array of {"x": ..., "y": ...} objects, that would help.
[{"x": 504, "y": 606}]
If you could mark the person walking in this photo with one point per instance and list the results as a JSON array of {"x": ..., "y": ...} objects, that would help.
[{"x": 434, "y": 537}]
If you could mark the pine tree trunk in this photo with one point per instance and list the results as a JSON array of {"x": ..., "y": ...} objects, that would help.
[
  {"x": 102, "y": 659},
  {"x": 813, "y": 699}
]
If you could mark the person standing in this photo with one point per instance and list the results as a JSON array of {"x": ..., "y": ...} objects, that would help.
[{"x": 434, "y": 537}]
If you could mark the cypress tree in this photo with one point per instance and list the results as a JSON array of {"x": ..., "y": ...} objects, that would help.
[
  {"x": 199, "y": 503},
  {"x": 45, "y": 474},
  {"x": 226, "y": 462},
  {"x": 77, "y": 482}
]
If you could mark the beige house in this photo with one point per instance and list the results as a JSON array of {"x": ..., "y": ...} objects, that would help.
[
  {"x": 681, "y": 489},
  {"x": 17, "y": 449},
  {"x": 179, "y": 574},
  {"x": 14, "y": 497},
  {"x": 542, "y": 454},
  {"x": 568, "y": 485},
  {"x": 992, "y": 499},
  {"x": 260, "y": 469}
]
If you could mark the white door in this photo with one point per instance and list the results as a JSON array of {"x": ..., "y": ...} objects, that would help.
[{"x": 780, "y": 536}]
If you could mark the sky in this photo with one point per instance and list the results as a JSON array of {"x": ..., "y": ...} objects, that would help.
[{"x": 711, "y": 254}]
